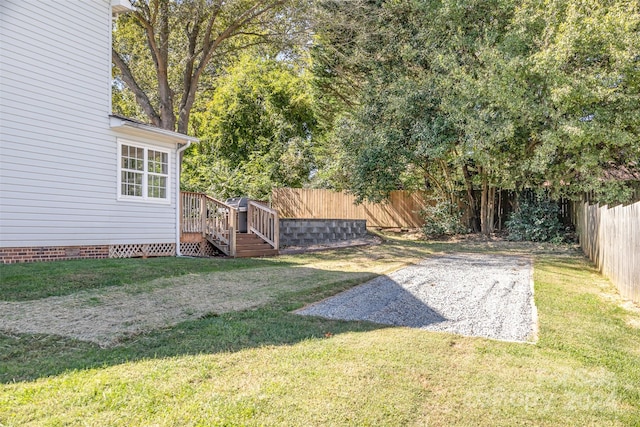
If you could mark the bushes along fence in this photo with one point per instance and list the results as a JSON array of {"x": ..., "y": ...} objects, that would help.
[{"x": 609, "y": 236}]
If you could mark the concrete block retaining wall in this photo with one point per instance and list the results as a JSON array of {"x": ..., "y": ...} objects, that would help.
[{"x": 306, "y": 232}]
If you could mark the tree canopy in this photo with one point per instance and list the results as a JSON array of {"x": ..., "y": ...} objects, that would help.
[
  {"x": 458, "y": 96},
  {"x": 256, "y": 132},
  {"x": 164, "y": 50}
]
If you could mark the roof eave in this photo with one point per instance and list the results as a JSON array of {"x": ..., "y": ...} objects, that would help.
[
  {"x": 133, "y": 128},
  {"x": 120, "y": 6}
]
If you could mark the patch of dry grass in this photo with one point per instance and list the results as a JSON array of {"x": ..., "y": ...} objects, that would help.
[{"x": 104, "y": 316}]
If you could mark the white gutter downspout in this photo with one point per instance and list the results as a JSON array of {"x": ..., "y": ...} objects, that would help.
[{"x": 178, "y": 210}]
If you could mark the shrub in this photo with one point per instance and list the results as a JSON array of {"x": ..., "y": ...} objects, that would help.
[
  {"x": 537, "y": 220},
  {"x": 442, "y": 218}
]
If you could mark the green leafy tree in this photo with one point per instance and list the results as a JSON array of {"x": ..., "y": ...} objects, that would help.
[
  {"x": 587, "y": 57},
  {"x": 166, "y": 52},
  {"x": 482, "y": 95},
  {"x": 257, "y": 132},
  {"x": 537, "y": 219},
  {"x": 415, "y": 71}
]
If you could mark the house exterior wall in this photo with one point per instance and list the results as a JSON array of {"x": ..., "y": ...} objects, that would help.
[{"x": 58, "y": 154}]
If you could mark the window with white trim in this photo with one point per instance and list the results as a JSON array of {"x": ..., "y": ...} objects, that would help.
[{"x": 144, "y": 173}]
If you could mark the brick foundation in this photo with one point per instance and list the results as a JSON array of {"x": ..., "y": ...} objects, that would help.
[
  {"x": 60, "y": 253},
  {"x": 52, "y": 253}
]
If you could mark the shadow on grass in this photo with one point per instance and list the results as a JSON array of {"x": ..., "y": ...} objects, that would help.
[{"x": 26, "y": 357}]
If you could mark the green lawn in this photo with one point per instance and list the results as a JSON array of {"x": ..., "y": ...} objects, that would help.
[{"x": 266, "y": 366}]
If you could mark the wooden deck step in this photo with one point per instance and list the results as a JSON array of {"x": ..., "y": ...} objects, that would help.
[
  {"x": 222, "y": 247},
  {"x": 249, "y": 245}
]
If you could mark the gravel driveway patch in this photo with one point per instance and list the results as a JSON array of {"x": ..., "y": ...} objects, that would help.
[{"x": 483, "y": 295}]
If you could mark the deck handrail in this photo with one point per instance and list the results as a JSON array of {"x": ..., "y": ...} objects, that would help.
[
  {"x": 263, "y": 222},
  {"x": 204, "y": 214},
  {"x": 219, "y": 221}
]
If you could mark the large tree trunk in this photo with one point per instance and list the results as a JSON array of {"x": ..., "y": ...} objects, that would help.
[
  {"x": 471, "y": 201},
  {"x": 499, "y": 211},
  {"x": 487, "y": 207}
]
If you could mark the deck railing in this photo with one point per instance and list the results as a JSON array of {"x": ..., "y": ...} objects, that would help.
[
  {"x": 192, "y": 206},
  {"x": 218, "y": 221},
  {"x": 263, "y": 221},
  {"x": 211, "y": 217}
]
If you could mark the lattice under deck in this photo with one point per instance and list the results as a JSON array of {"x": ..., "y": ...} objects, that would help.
[
  {"x": 142, "y": 250},
  {"x": 198, "y": 249}
]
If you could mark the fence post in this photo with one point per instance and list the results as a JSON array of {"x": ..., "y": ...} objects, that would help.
[{"x": 181, "y": 207}]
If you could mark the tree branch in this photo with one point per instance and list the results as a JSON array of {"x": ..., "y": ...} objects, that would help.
[
  {"x": 152, "y": 18},
  {"x": 141, "y": 97},
  {"x": 147, "y": 24},
  {"x": 207, "y": 52}
]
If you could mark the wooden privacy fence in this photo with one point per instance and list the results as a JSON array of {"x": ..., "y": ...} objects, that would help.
[
  {"x": 402, "y": 210},
  {"x": 610, "y": 237}
]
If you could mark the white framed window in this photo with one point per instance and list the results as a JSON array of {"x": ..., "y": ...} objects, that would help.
[{"x": 143, "y": 172}]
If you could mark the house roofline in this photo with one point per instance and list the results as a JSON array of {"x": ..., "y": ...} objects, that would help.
[
  {"x": 134, "y": 127},
  {"x": 120, "y": 6}
]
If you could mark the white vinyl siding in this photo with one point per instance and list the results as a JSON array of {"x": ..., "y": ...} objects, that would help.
[{"x": 58, "y": 154}]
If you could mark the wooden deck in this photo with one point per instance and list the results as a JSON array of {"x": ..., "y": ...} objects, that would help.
[{"x": 207, "y": 219}]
